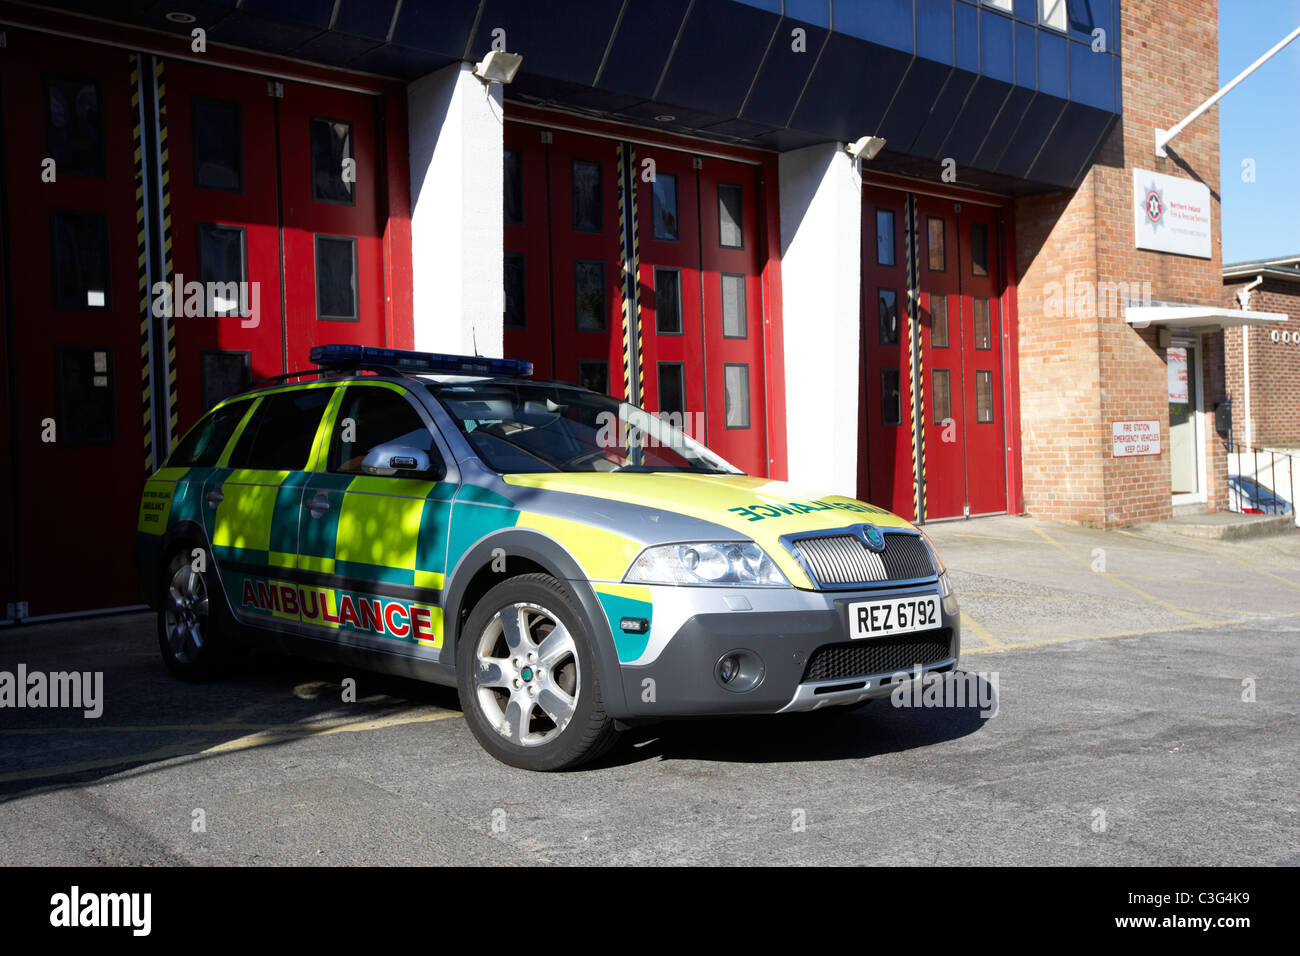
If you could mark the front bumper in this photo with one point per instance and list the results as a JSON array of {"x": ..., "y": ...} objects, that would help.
[{"x": 798, "y": 642}]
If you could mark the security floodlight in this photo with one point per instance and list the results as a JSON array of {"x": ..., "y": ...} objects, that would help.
[
  {"x": 498, "y": 67},
  {"x": 865, "y": 148}
]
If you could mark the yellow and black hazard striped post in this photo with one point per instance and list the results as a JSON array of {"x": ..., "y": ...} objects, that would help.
[
  {"x": 142, "y": 266},
  {"x": 636, "y": 289},
  {"x": 916, "y": 361},
  {"x": 631, "y": 263},
  {"x": 165, "y": 213}
]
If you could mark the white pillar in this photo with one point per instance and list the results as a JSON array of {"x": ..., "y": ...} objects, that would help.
[
  {"x": 456, "y": 212},
  {"x": 821, "y": 261}
]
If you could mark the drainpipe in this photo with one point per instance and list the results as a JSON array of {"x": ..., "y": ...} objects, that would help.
[{"x": 1243, "y": 299}]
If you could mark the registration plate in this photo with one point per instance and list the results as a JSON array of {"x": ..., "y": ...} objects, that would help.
[{"x": 897, "y": 616}]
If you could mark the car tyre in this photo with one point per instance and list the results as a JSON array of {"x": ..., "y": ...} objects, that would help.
[
  {"x": 196, "y": 631},
  {"x": 527, "y": 676}
]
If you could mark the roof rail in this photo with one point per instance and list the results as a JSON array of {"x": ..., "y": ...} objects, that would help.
[{"x": 330, "y": 372}]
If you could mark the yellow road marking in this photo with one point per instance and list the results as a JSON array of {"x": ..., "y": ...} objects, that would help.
[
  {"x": 271, "y": 735},
  {"x": 1136, "y": 590},
  {"x": 980, "y": 631}
]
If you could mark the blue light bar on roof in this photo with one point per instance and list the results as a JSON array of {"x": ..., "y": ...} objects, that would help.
[{"x": 405, "y": 360}]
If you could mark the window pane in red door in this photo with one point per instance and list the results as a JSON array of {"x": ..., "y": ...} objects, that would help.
[
  {"x": 731, "y": 216},
  {"x": 672, "y": 387},
  {"x": 884, "y": 237},
  {"x": 983, "y": 326},
  {"x": 938, "y": 321},
  {"x": 664, "y": 212},
  {"x": 737, "y": 395},
  {"x": 983, "y": 397},
  {"x": 942, "y": 400},
  {"x": 589, "y": 294},
  {"x": 588, "y": 204},
  {"x": 223, "y": 266},
  {"x": 888, "y": 315},
  {"x": 74, "y": 126},
  {"x": 979, "y": 249},
  {"x": 667, "y": 302},
  {"x": 938, "y": 258},
  {"x": 734, "y": 325},
  {"x": 218, "y": 144},
  {"x": 336, "y": 279},
  {"x": 891, "y": 408},
  {"x": 80, "y": 267},
  {"x": 333, "y": 165}
]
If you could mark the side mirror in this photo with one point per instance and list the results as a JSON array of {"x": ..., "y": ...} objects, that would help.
[{"x": 391, "y": 458}]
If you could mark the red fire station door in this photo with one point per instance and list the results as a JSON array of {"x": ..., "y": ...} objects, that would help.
[
  {"x": 699, "y": 287},
  {"x": 78, "y": 445},
  {"x": 962, "y": 341},
  {"x": 957, "y": 281}
]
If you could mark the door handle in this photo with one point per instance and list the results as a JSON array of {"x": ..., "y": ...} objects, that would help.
[
  {"x": 318, "y": 505},
  {"x": 214, "y": 497}
]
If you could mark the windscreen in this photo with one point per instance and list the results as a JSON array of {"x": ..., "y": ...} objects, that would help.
[{"x": 522, "y": 427}]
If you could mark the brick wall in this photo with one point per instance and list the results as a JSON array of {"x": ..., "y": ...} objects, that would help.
[
  {"x": 1274, "y": 367},
  {"x": 1084, "y": 369}
]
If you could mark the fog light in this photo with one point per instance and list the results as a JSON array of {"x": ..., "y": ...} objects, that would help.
[
  {"x": 739, "y": 670},
  {"x": 728, "y": 668}
]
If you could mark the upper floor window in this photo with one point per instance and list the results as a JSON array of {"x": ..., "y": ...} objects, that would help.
[{"x": 1052, "y": 13}]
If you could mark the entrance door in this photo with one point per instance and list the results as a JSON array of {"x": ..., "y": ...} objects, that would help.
[
  {"x": 734, "y": 375},
  {"x": 943, "y": 353},
  {"x": 885, "y": 440},
  {"x": 981, "y": 348},
  {"x": 960, "y": 288},
  {"x": 1186, "y": 455},
  {"x": 79, "y": 448}
]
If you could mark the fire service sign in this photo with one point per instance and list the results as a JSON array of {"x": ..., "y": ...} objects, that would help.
[
  {"x": 1134, "y": 438},
  {"x": 1171, "y": 214}
]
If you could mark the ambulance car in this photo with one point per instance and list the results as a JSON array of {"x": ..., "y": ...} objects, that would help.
[{"x": 571, "y": 563}]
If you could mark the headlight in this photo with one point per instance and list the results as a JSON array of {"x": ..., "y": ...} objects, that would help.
[
  {"x": 945, "y": 583},
  {"x": 726, "y": 563}
]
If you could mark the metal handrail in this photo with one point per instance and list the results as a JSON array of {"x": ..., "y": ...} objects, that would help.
[{"x": 1277, "y": 506}]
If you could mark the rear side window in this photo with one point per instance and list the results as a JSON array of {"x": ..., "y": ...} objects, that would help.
[
  {"x": 279, "y": 435},
  {"x": 203, "y": 445},
  {"x": 370, "y": 416}
]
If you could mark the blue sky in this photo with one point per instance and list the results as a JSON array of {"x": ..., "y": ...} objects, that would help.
[{"x": 1260, "y": 120}]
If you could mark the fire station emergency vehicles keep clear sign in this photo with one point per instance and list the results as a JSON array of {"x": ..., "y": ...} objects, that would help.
[{"x": 1134, "y": 438}]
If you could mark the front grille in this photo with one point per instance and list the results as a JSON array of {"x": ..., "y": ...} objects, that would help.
[
  {"x": 839, "y": 560},
  {"x": 879, "y": 655}
]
